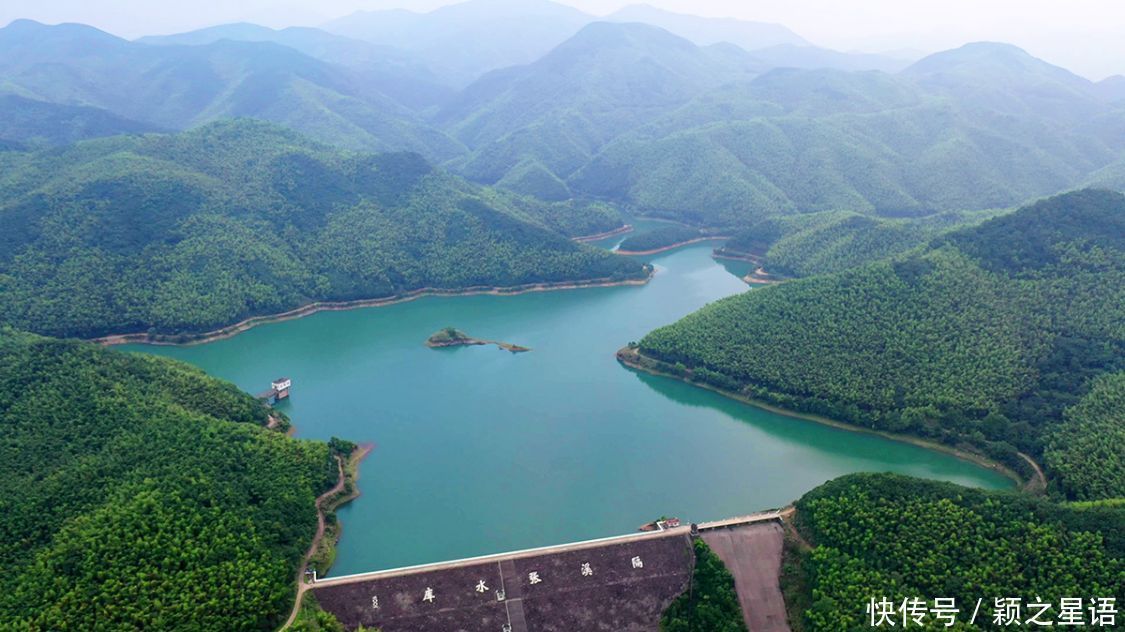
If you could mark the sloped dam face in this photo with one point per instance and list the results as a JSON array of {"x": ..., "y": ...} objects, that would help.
[{"x": 480, "y": 451}]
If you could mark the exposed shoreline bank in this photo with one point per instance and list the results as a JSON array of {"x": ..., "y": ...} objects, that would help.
[
  {"x": 337, "y": 306},
  {"x": 759, "y": 276},
  {"x": 639, "y": 362},
  {"x": 656, "y": 251},
  {"x": 621, "y": 230},
  {"x": 734, "y": 255}
]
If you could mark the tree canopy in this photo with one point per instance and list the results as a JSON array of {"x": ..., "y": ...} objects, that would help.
[
  {"x": 138, "y": 493},
  {"x": 186, "y": 233},
  {"x": 886, "y": 536}
]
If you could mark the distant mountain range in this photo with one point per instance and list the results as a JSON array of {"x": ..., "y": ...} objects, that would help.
[
  {"x": 984, "y": 126},
  {"x": 704, "y": 31},
  {"x": 392, "y": 71},
  {"x": 466, "y": 40},
  {"x": 30, "y": 123},
  {"x": 177, "y": 87},
  {"x": 463, "y": 41},
  {"x": 709, "y": 121},
  {"x": 1113, "y": 88},
  {"x": 604, "y": 81}
]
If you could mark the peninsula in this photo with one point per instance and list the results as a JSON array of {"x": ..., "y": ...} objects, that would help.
[{"x": 452, "y": 337}]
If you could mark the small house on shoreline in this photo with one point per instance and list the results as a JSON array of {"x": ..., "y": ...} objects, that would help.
[{"x": 279, "y": 390}]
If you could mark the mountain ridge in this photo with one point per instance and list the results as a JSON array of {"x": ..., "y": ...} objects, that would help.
[{"x": 177, "y": 87}]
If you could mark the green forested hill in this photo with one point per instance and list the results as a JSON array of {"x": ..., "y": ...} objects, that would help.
[
  {"x": 1092, "y": 432},
  {"x": 623, "y": 112},
  {"x": 914, "y": 159},
  {"x": 138, "y": 493},
  {"x": 390, "y": 71},
  {"x": 38, "y": 123},
  {"x": 1004, "y": 78},
  {"x": 190, "y": 232},
  {"x": 1111, "y": 176},
  {"x": 885, "y": 536},
  {"x": 556, "y": 113},
  {"x": 830, "y": 241},
  {"x": 984, "y": 338},
  {"x": 661, "y": 237},
  {"x": 980, "y": 127}
]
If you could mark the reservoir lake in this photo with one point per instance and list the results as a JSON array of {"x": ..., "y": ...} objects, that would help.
[{"x": 478, "y": 450}]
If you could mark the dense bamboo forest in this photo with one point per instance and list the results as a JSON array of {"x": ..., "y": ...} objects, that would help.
[
  {"x": 711, "y": 603},
  {"x": 831, "y": 241},
  {"x": 179, "y": 234},
  {"x": 139, "y": 493},
  {"x": 658, "y": 238},
  {"x": 888, "y": 537}
]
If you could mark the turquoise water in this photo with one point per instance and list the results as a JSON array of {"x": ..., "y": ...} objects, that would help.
[{"x": 481, "y": 451}]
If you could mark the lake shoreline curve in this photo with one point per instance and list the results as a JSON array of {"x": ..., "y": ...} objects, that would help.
[
  {"x": 620, "y": 230},
  {"x": 662, "y": 249},
  {"x": 328, "y": 503},
  {"x": 178, "y": 340},
  {"x": 637, "y": 361}
]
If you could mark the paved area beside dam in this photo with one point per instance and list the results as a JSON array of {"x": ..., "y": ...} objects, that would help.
[{"x": 752, "y": 553}]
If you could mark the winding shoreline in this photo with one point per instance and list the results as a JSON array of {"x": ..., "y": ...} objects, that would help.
[
  {"x": 656, "y": 251},
  {"x": 759, "y": 276},
  {"x": 337, "y": 306},
  {"x": 621, "y": 230},
  {"x": 635, "y": 360},
  {"x": 325, "y": 504},
  {"x": 732, "y": 255}
]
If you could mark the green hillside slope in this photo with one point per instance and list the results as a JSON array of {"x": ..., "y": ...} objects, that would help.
[
  {"x": 982, "y": 339},
  {"x": 830, "y": 241},
  {"x": 187, "y": 233},
  {"x": 390, "y": 71},
  {"x": 888, "y": 537},
  {"x": 1111, "y": 176},
  {"x": 1092, "y": 432},
  {"x": 38, "y": 123},
  {"x": 560, "y": 110},
  {"x": 138, "y": 493},
  {"x": 932, "y": 155},
  {"x": 986, "y": 126}
]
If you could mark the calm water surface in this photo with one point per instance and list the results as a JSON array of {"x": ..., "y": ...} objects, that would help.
[{"x": 481, "y": 451}]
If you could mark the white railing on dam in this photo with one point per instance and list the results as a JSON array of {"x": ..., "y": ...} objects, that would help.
[{"x": 495, "y": 557}]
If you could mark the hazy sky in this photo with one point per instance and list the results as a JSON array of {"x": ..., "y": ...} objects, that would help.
[{"x": 1086, "y": 36}]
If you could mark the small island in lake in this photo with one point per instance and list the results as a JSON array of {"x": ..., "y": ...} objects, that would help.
[{"x": 452, "y": 337}]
